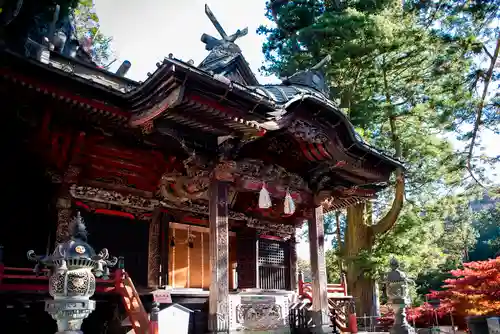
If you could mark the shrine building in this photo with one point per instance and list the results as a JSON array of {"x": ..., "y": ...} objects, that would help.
[{"x": 197, "y": 178}]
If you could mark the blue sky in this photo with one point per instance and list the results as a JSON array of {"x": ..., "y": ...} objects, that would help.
[{"x": 144, "y": 32}]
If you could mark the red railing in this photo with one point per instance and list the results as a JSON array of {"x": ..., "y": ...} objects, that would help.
[
  {"x": 25, "y": 279},
  {"x": 305, "y": 289},
  {"x": 341, "y": 315}
]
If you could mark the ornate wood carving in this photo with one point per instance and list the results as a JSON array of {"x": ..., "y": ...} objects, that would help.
[
  {"x": 63, "y": 204},
  {"x": 256, "y": 169},
  {"x": 279, "y": 146},
  {"x": 248, "y": 175},
  {"x": 130, "y": 202},
  {"x": 64, "y": 215},
  {"x": 154, "y": 250},
  {"x": 280, "y": 230},
  {"x": 260, "y": 317},
  {"x": 320, "y": 311},
  {"x": 306, "y": 132},
  {"x": 219, "y": 257},
  {"x": 112, "y": 197}
]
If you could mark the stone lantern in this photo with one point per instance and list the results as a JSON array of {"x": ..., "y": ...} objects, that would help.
[
  {"x": 398, "y": 298},
  {"x": 73, "y": 268}
]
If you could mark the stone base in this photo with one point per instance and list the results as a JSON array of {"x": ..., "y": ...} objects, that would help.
[
  {"x": 403, "y": 329},
  {"x": 322, "y": 329}
]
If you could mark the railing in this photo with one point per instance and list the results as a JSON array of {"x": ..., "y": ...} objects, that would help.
[
  {"x": 299, "y": 318},
  {"x": 25, "y": 279},
  {"x": 372, "y": 324},
  {"x": 305, "y": 289},
  {"x": 340, "y": 304}
]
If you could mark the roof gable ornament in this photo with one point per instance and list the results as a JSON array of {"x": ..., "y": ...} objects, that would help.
[
  {"x": 226, "y": 42},
  {"x": 313, "y": 77},
  {"x": 225, "y": 57}
]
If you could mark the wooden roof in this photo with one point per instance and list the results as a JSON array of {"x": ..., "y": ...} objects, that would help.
[{"x": 292, "y": 126}]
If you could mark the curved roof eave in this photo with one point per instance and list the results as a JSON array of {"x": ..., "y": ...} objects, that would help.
[{"x": 354, "y": 136}]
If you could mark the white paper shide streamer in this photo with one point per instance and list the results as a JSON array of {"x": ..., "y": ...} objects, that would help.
[
  {"x": 289, "y": 205},
  {"x": 264, "y": 198}
]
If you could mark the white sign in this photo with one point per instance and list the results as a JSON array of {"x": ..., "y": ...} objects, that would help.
[{"x": 162, "y": 297}]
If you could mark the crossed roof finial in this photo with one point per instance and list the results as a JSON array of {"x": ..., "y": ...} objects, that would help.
[
  {"x": 322, "y": 63},
  {"x": 211, "y": 41}
]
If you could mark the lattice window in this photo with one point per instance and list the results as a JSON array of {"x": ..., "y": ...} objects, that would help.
[
  {"x": 272, "y": 253},
  {"x": 273, "y": 265}
]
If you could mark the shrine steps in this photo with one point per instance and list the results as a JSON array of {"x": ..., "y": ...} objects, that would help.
[{"x": 340, "y": 304}]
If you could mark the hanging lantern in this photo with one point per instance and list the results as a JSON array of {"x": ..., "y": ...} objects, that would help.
[
  {"x": 264, "y": 198},
  {"x": 289, "y": 205}
]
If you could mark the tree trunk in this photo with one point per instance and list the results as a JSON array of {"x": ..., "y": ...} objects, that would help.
[
  {"x": 361, "y": 231},
  {"x": 359, "y": 237}
]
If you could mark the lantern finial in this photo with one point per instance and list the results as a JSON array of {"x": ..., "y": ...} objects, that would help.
[{"x": 78, "y": 228}]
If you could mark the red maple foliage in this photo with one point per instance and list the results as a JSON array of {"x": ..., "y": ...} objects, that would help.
[
  {"x": 423, "y": 316},
  {"x": 474, "y": 290}
]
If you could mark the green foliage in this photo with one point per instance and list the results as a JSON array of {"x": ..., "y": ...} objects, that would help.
[
  {"x": 473, "y": 26},
  {"x": 35, "y": 17},
  {"x": 487, "y": 222},
  {"x": 87, "y": 26},
  {"x": 304, "y": 267},
  {"x": 399, "y": 73},
  {"x": 384, "y": 65},
  {"x": 332, "y": 266}
]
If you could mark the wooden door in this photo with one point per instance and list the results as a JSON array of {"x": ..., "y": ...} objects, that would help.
[{"x": 190, "y": 267}]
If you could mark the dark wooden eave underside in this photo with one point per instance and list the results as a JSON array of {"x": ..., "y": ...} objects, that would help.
[{"x": 206, "y": 105}]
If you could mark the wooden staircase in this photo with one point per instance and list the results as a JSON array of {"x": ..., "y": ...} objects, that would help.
[
  {"x": 133, "y": 305},
  {"x": 340, "y": 304}
]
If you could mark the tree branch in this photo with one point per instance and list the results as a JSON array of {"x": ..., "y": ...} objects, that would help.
[
  {"x": 487, "y": 52},
  {"x": 480, "y": 108},
  {"x": 388, "y": 221}
]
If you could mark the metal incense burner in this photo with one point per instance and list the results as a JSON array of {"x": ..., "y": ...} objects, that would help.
[{"x": 73, "y": 268}]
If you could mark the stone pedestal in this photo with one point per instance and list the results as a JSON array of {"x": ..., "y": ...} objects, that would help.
[
  {"x": 401, "y": 325},
  {"x": 69, "y": 314}
]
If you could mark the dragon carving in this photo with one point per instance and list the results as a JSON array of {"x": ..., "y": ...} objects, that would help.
[
  {"x": 178, "y": 188},
  {"x": 193, "y": 183}
]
